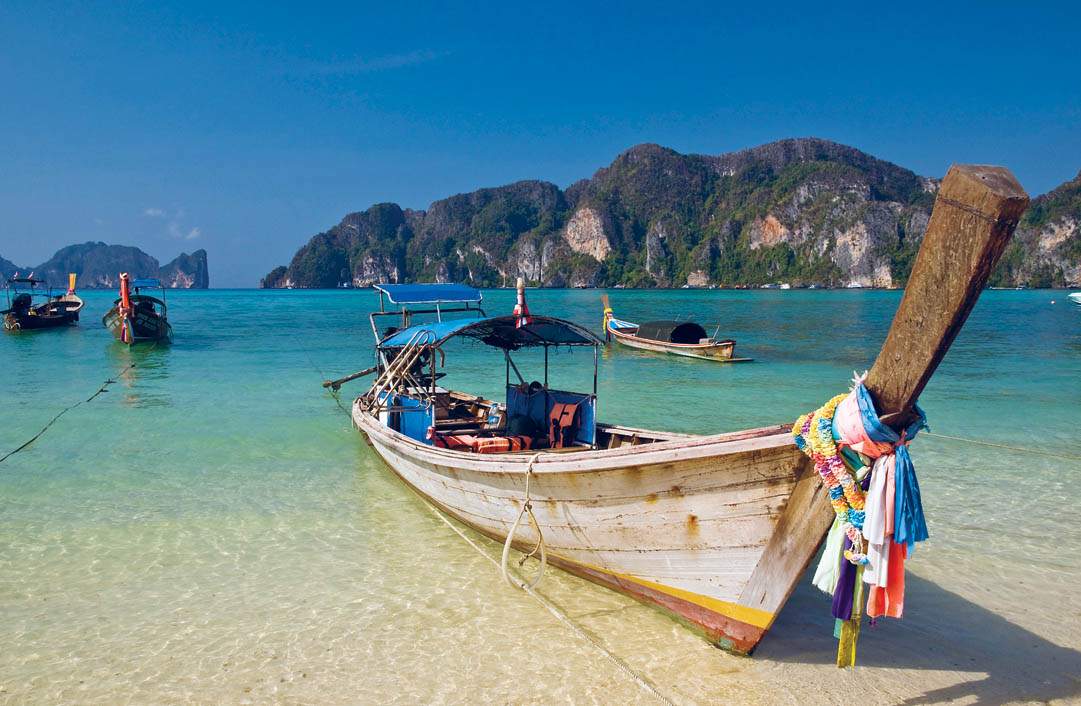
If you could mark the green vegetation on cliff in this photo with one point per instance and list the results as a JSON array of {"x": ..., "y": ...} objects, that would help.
[{"x": 801, "y": 211}]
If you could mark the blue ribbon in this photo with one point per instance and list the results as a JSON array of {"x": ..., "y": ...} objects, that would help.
[{"x": 909, "y": 524}]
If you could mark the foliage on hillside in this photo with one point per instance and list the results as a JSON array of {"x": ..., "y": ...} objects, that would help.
[{"x": 800, "y": 211}]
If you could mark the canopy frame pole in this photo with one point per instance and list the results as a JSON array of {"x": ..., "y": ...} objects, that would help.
[
  {"x": 595, "y": 364},
  {"x": 545, "y": 366},
  {"x": 431, "y": 371},
  {"x": 510, "y": 362}
]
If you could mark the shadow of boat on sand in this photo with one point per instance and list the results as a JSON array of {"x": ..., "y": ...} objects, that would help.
[{"x": 945, "y": 633}]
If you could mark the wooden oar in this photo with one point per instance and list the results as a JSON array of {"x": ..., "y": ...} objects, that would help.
[
  {"x": 974, "y": 217},
  {"x": 336, "y": 384}
]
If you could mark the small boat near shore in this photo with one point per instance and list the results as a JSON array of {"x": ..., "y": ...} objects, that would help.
[
  {"x": 715, "y": 529},
  {"x": 1074, "y": 297},
  {"x": 136, "y": 317},
  {"x": 685, "y": 338},
  {"x": 53, "y": 311}
]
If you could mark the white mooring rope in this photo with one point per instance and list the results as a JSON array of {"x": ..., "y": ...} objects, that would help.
[
  {"x": 527, "y": 508},
  {"x": 641, "y": 681}
]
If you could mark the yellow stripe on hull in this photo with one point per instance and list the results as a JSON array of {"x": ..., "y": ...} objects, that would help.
[{"x": 751, "y": 616}]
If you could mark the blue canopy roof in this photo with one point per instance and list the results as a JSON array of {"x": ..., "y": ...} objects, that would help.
[
  {"x": 498, "y": 331},
  {"x": 139, "y": 283},
  {"x": 430, "y": 293}
]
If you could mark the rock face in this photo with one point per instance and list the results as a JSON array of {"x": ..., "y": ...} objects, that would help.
[
  {"x": 1046, "y": 249},
  {"x": 801, "y": 211},
  {"x": 99, "y": 265},
  {"x": 585, "y": 233},
  {"x": 186, "y": 272},
  {"x": 7, "y": 268}
]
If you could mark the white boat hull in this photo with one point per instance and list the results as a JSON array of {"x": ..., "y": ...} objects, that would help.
[{"x": 715, "y": 529}]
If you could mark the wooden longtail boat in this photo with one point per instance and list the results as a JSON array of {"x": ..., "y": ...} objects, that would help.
[
  {"x": 55, "y": 311},
  {"x": 137, "y": 318},
  {"x": 685, "y": 338},
  {"x": 715, "y": 529}
]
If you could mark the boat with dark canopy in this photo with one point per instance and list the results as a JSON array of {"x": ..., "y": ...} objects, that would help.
[
  {"x": 51, "y": 311},
  {"x": 716, "y": 529},
  {"x": 685, "y": 338},
  {"x": 136, "y": 317}
]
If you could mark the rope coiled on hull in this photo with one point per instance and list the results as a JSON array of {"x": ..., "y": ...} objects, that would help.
[{"x": 527, "y": 509}]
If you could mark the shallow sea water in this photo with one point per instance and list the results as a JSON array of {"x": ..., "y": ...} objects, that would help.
[{"x": 211, "y": 529}]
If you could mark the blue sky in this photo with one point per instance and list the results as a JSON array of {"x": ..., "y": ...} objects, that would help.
[{"x": 246, "y": 128}]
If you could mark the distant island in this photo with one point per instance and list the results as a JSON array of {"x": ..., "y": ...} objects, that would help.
[
  {"x": 799, "y": 211},
  {"x": 99, "y": 265}
]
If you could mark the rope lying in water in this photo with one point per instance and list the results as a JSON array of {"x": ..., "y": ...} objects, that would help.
[
  {"x": 638, "y": 679},
  {"x": 336, "y": 394},
  {"x": 1018, "y": 449},
  {"x": 64, "y": 411}
]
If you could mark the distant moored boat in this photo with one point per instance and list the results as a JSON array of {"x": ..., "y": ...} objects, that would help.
[
  {"x": 137, "y": 317},
  {"x": 685, "y": 338},
  {"x": 23, "y": 314}
]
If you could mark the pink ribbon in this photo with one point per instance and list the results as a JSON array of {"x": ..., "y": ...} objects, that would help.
[{"x": 848, "y": 422}]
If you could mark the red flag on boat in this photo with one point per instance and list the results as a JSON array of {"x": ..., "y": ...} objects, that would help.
[
  {"x": 521, "y": 311},
  {"x": 125, "y": 307}
]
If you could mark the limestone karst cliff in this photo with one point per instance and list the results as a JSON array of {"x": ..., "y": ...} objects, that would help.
[
  {"x": 99, "y": 265},
  {"x": 804, "y": 211}
]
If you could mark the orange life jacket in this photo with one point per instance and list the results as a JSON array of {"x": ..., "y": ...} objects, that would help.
[{"x": 563, "y": 423}]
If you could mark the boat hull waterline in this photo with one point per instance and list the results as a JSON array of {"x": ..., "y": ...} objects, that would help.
[
  {"x": 712, "y": 529},
  {"x": 45, "y": 320},
  {"x": 721, "y": 351},
  {"x": 137, "y": 329}
]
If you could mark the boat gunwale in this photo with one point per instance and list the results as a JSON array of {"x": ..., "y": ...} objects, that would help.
[{"x": 588, "y": 460}]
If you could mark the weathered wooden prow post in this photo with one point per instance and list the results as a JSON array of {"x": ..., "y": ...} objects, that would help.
[
  {"x": 975, "y": 214},
  {"x": 974, "y": 217}
]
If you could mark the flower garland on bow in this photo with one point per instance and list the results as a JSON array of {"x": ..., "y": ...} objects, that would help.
[
  {"x": 814, "y": 436},
  {"x": 879, "y": 513}
]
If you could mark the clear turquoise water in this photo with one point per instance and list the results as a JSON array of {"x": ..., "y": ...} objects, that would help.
[{"x": 211, "y": 529}]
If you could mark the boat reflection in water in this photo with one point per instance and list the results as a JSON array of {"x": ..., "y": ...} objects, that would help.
[{"x": 140, "y": 373}]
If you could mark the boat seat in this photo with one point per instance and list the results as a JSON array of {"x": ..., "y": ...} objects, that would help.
[{"x": 478, "y": 443}]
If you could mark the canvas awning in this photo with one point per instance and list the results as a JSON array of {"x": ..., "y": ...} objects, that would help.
[
  {"x": 497, "y": 331},
  {"x": 430, "y": 293},
  {"x": 672, "y": 331}
]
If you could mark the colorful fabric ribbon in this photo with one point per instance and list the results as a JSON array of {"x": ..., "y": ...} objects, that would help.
[{"x": 868, "y": 473}]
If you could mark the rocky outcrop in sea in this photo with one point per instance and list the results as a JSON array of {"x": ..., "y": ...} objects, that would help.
[{"x": 98, "y": 266}]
